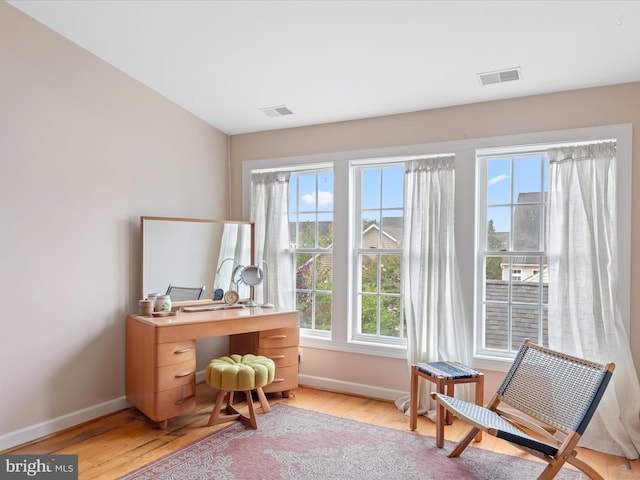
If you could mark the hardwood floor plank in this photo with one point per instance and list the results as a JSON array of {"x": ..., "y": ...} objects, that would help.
[{"x": 119, "y": 443}]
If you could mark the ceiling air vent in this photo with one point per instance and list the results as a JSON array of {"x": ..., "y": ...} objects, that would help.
[
  {"x": 500, "y": 76},
  {"x": 280, "y": 111}
]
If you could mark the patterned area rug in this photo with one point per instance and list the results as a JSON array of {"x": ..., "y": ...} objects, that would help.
[{"x": 294, "y": 443}]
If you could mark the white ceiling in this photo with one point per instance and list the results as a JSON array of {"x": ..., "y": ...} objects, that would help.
[{"x": 330, "y": 61}]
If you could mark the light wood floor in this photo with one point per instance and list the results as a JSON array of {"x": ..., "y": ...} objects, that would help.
[{"x": 121, "y": 442}]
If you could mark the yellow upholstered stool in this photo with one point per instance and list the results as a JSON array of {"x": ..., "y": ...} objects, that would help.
[{"x": 239, "y": 373}]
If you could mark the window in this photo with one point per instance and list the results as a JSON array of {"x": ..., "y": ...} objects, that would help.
[
  {"x": 311, "y": 233},
  {"x": 512, "y": 250},
  {"x": 342, "y": 218},
  {"x": 377, "y": 313}
]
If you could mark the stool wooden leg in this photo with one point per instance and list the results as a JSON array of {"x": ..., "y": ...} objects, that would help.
[
  {"x": 479, "y": 399},
  {"x": 251, "y": 419},
  {"x": 230, "y": 408},
  {"x": 413, "y": 400},
  {"x": 231, "y": 413},
  {"x": 266, "y": 408},
  {"x": 448, "y": 418},
  {"x": 440, "y": 415},
  {"x": 215, "y": 413}
]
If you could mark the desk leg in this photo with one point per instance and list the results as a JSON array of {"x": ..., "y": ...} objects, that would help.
[{"x": 413, "y": 400}]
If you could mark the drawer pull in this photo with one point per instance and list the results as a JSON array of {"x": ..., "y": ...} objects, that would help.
[
  {"x": 276, "y": 356},
  {"x": 184, "y": 374},
  {"x": 278, "y": 380},
  {"x": 275, "y": 336},
  {"x": 182, "y": 400},
  {"x": 182, "y": 350}
]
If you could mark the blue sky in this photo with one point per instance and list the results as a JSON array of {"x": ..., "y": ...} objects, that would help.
[
  {"x": 392, "y": 187},
  {"x": 392, "y": 190},
  {"x": 307, "y": 188},
  {"x": 524, "y": 174}
]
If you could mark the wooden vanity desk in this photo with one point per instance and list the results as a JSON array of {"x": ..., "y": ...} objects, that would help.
[{"x": 161, "y": 353}]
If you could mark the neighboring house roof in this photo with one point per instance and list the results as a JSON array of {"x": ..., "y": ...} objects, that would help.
[
  {"x": 394, "y": 228},
  {"x": 367, "y": 232}
]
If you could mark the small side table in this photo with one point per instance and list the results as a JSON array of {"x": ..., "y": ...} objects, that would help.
[{"x": 443, "y": 374}]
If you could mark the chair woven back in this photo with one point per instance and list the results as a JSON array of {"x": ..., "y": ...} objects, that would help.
[
  {"x": 182, "y": 294},
  {"x": 554, "y": 388}
]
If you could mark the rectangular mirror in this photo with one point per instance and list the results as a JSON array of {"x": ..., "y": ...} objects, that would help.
[{"x": 188, "y": 252}]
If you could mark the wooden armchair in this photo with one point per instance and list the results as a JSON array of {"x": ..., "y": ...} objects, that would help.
[{"x": 549, "y": 397}]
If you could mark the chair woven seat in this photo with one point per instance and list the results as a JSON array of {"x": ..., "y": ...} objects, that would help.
[{"x": 493, "y": 423}]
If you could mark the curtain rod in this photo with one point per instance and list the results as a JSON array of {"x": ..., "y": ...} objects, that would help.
[{"x": 537, "y": 148}]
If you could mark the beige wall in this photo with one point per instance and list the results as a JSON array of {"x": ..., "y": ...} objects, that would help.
[
  {"x": 85, "y": 151},
  {"x": 559, "y": 111}
]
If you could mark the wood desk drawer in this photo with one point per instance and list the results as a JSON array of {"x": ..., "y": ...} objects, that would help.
[
  {"x": 282, "y": 357},
  {"x": 286, "y": 378},
  {"x": 175, "y": 352},
  {"x": 175, "y": 401},
  {"x": 173, "y": 376},
  {"x": 279, "y": 337}
]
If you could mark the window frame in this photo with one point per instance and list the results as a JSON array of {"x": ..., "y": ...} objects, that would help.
[
  {"x": 357, "y": 251},
  {"x": 465, "y": 211},
  {"x": 514, "y": 274},
  {"x": 314, "y": 251}
]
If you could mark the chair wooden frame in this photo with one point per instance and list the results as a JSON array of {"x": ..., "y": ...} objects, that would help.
[{"x": 550, "y": 398}]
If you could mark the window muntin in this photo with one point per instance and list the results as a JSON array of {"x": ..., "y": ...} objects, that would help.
[
  {"x": 377, "y": 313},
  {"x": 311, "y": 233},
  {"x": 513, "y": 294}
]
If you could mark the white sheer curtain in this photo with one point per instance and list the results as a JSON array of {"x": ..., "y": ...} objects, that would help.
[
  {"x": 235, "y": 242},
  {"x": 433, "y": 308},
  {"x": 584, "y": 318},
  {"x": 269, "y": 211}
]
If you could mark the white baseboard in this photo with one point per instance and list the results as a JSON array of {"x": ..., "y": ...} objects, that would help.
[
  {"x": 42, "y": 429},
  {"x": 361, "y": 389}
]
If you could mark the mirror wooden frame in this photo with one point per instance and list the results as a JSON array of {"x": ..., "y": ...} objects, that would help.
[{"x": 208, "y": 292}]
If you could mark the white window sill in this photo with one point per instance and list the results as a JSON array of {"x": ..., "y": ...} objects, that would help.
[
  {"x": 491, "y": 363},
  {"x": 390, "y": 351}
]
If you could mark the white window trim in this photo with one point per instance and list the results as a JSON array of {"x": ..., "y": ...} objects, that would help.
[
  {"x": 464, "y": 151},
  {"x": 356, "y": 233},
  {"x": 480, "y": 232}
]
